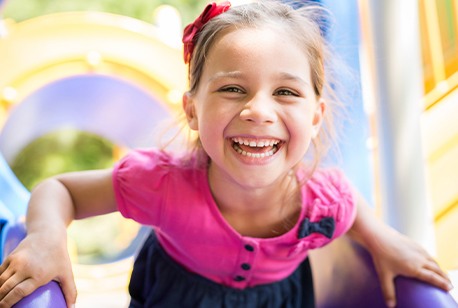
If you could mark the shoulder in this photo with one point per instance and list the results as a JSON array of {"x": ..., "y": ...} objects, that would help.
[
  {"x": 144, "y": 161},
  {"x": 147, "y": 158},
  {"x": 145, "y": 168},
  {"x": 329, "y": 185},
  {"x": 330, "y": 194},
  {"x": 145, "y": 179},
  {"x": 153, "y": 167}
]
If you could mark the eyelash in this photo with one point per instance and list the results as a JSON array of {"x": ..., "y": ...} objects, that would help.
[
  {"x": 286, "y": 92},
  {"x": 280, "y": 92},
  {"x": 231, "y": 90}
]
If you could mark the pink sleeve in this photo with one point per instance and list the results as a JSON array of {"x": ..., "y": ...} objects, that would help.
[
  {"x": 333, "y": 197},
  {"x": 140, "y": 184}
]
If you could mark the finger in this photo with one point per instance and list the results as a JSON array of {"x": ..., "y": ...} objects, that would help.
[
  {"x": 9, "y": 285},
  {"x": 67, "y": 284},
  {"x": 69, "y": 289},
  {"x": 20, "y": 290},
  {"x": 5, "y": 275},
  {"x": 388, "y": 289},
  {"x": 7, "y": 282},
  {"x": 435, "y": 279},
  {"x": 433, "y": 266},
  {"x": 4, "y": 266}
]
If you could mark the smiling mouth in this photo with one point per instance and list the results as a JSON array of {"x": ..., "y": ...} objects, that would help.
[{"x": 256, "y": 148}]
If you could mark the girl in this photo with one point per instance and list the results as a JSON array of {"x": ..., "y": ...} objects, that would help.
[{"x": 233, "y": 220}]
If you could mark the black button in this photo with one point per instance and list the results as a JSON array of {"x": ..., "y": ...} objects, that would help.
[
  {"x": 246, "y": 266},
  {"x": 239, "y": 278},
  {"x": 249, "y": 247}
]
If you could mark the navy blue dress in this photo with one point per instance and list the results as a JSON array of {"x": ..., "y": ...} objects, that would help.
[{"x": 158, "y": 281}]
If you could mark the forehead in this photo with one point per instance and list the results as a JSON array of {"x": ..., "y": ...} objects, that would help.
[{"x": 268, "y": 46}]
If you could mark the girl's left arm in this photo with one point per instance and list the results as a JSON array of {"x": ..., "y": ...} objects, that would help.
[{"x": 394, "y": 253}]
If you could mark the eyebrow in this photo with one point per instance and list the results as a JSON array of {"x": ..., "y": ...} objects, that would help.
[
  {"x": 293, "y": 77},
  {"x": 233, "y": 74},
  {"x": 239, "y": 74}
]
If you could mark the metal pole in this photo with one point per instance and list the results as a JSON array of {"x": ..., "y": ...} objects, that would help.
[{"x": 398, "y": 91}]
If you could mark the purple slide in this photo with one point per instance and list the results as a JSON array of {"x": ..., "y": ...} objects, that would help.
[
  {"x": 47, "y": 296},
  {"x": 344, "y": 277}
]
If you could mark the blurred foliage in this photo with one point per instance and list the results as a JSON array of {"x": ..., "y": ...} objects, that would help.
[
  {"x": 102, "y": 239},
  {"x": 72, "y": 150},
  {"x": 20, "y": 10},
  {"x": 61, "y": 151}
]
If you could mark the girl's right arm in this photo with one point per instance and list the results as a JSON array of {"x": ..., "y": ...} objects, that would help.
[{"x": 42, "y": 256}]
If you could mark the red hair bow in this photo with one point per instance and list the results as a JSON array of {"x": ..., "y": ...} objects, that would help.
[{"x": 210, "y": 11}]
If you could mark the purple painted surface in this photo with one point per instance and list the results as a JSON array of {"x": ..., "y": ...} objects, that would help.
[
  {"x": 345, "y": 277},
  {"x": 47, "y": 296},
  {"x": 107, "y": 106}
]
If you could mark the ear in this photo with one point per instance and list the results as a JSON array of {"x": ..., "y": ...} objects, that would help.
[
  {"x": 189, "y": 110},
  {"x": 318, "y": 117}
]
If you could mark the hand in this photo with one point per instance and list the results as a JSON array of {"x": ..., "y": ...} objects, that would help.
[
  {"x": 37, "y": 260},
  {"x": 395, "y": 254}
]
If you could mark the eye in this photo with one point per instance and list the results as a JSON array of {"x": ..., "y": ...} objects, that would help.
[
  {"x": 231, "y": 89},
  {"x": 285, "y": 92}
]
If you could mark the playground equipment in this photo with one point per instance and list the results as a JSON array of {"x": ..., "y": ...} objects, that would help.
[
  {"x": 110, "y": 75},
  {"x": 94, "y": 72}
]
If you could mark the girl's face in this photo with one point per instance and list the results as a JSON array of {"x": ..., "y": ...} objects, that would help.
[{"x": 254, "y": 109}]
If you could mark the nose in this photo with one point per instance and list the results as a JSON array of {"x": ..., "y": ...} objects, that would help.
[{"x": 260, "y": 110}]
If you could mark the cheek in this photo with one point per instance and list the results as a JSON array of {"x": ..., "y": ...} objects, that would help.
[
  {"x": 301, "y": 130},
  {"x": 211, "y": 130},
  {"x": 216, "y": 117}
]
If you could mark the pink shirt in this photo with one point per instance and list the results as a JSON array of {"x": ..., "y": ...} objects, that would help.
[{"x": 154, "y": 189}]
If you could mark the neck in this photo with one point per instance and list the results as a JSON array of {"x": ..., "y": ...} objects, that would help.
[{"x": 258, "y": 212}]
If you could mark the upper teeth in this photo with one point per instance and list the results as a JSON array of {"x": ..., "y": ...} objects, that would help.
[{"x": 256, "y": 143}]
